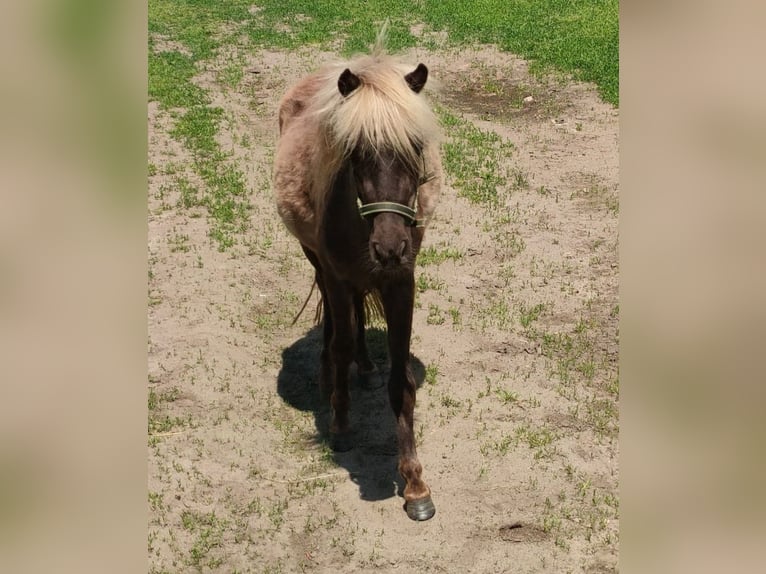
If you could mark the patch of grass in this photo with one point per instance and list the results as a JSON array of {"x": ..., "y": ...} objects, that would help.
[
  {"x": 426, "y": 282},
  {"x": 196, "y": 23},
  {"x": 501, "y": 446},
  {"x": 163, "y": 424},
  {"x": 179, "y": 242},
  {"x": 158, "y": 423},
  {"x": 449, "y": 402},
  {"x": 434, "y": 255},
  {"x": 580, "y": 37},
  {"x": 156, "y": 399},
  {"x": 472, "y": 159},
  {"x": 506, "y": 396},
  {"x": 576, "y": 36},
  {"x": 495, "y": 313},
  {"x": 527, "y": 315},
  {"x": 226, "y": 194},
  {"x": 189, "y": 194},
  {"x": 538, "y": 440},
  {"x": 209, "y": 531},
  {"x": 197, "y": 129},
  {"x": 435, "y": 315},
  {"x": 432, "y": 372},
  {"x": 170, "y": 75}
]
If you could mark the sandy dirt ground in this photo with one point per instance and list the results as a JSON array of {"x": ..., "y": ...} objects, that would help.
[{"x": 515, "y": 345}]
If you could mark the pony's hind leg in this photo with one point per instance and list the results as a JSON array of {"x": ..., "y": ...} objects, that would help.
[
  {"x": 325, "y": 372},
  {"x": 398, "y": 300},
  {"x": 366, "y": 369}
]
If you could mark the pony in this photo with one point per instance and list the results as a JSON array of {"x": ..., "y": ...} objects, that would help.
[{"x": 357, "y": 176}]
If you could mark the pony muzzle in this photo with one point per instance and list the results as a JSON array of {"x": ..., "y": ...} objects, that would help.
[{"x": 389, "y": 240}]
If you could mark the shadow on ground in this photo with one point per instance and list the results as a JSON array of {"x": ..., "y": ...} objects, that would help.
[{"x": 373, "y": 460}]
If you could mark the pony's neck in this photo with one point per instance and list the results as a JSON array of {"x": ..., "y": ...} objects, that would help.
[
  {"x": 342, "y": 229},
  {"x": 342, "y": 193}
]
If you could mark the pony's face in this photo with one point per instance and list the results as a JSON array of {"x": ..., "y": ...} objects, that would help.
[
  {"x": 389, "y": 177},
  {"x": 384, "y": 178}
]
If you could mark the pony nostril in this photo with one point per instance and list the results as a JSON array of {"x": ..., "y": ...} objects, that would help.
[{"x": 388, "y": 255}]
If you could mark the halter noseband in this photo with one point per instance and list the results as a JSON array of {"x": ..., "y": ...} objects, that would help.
[{"x": 405, "y": 211}]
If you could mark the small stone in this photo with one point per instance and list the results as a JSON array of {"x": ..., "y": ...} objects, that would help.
[{"x": 528, "y": 100}]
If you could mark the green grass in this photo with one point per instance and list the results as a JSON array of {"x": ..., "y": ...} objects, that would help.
[
  {"x": 528, "y": 315},
  {"x": 434, "y": 255},
  {"x": 580, "y": 37},
  {"x": 472, "y": 159},
  {"x": 208, "y": 530},
  {"x": 576, "y": 36},
  {"x": 169, "y": 80},
  {"x": 197, "y": 129}
]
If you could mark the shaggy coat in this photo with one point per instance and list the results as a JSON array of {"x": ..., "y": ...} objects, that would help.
[{"x": 318, "y": 129}]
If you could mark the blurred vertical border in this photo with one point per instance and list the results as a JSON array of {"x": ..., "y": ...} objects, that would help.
[
  {"x": 73, "y": 286},
  {"x": 692, "y": 265}
]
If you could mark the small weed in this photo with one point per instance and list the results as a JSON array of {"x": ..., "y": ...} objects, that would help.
[
  {"x": 432, "y": 372},
  {"x": 179, "y": 243},
  {"x": 426, "y": 282},
  {"x": 447, "y": 401},
  {"x": 455, "y": 314},
  {"x": 435, "y": 315},
  {"x": 520, "y": 180},
  {"x": 507, "y": 396},
  {"x": 529, "y": 315},
  {"x": 539, "y": 440}
]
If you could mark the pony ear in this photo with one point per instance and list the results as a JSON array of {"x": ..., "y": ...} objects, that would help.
[
  {"x": 348, "y": 82},
  {"x": 417, "y": 78}
]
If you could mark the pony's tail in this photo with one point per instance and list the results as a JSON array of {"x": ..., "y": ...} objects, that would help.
[
  {"x": 317, "y": 313},
  {"x": 373, "y": 307},
  {"x": 381, "y": 40}
]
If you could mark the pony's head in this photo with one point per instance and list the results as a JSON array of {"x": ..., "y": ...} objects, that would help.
[{"x": 379, "y": 124}]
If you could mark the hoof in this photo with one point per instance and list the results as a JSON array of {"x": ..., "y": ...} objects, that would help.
[
  {"x": 341, "y": 442},
  {"x": 421, "y": 509}
]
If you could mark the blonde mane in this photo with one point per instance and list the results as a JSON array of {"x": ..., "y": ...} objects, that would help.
[{"x": 383, "y": 113}]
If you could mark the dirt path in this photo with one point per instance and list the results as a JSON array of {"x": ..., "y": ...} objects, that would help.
[{"x": 515, "y": 346}]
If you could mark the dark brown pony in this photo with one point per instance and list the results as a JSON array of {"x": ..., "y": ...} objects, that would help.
[{"x": 357, "y": 176}]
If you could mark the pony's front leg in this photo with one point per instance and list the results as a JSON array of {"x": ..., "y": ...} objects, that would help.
[
  {"x": 340, "y": 303},
  {"x": 398, "y": 299}
]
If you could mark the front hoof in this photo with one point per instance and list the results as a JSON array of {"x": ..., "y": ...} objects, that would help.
[
  {"x": 341, "y": 442},
  {"x": 421, "y": 509}
]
